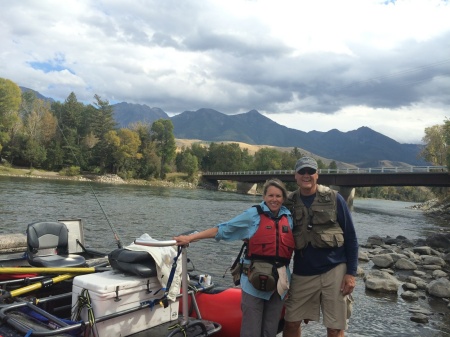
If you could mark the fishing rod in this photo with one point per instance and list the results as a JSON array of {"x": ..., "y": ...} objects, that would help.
[
  {"x": 116, "y": 236},
  {"x": 52, "y": 270}
]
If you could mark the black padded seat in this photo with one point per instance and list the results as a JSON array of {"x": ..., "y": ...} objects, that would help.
[
  {"x": 138, "y": 263},
  {"x": 48, "y": 246}
]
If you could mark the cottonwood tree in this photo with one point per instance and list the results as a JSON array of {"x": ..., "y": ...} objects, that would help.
[
  {"x": 226, "y": 157},
  {"x": 436, "y": 146},
  {"x": 39, "y": 129},
  {"x": 162, "y": 135},
  {"x": 447, "y": 140},
  {"x": 436, "y": 150},
  {"x": 124, "y": 145},
  {"x": 267, "y": 159},
  {"x": 187, "y": 162},
  {"x": 150, "y": 163},
  {"x": 10, "y": 98}
]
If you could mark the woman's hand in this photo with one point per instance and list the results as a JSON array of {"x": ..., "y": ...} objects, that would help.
[{"x": 182, "y": 240}]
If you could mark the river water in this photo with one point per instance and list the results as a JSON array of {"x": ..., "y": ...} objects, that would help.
[{"x": 165, "y": 212}]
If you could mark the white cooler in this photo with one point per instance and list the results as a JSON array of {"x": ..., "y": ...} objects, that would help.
[{"x": 105, "y": 290}]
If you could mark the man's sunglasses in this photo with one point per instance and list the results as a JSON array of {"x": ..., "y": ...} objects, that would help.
[{"x": 308, "y": 170}]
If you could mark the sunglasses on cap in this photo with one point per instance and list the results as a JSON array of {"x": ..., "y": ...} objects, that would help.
[{"x": 308, "y": 170}]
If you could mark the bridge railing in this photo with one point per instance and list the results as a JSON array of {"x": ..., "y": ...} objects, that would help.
[{"x": 412, "y": 169}]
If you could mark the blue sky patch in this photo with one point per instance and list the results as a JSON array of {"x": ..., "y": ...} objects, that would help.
[{"x": 57, "y": 64}]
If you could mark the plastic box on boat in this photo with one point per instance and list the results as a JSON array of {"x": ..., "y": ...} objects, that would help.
[{"x": 112, "y": 292}]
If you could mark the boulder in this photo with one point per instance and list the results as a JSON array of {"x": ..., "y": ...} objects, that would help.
[
  {"x": 363, "y": 256},
  {"x": 383, "y": 260},
  {"x": 409, "y": 295},
  {"x": 421, "y": 284},
  {"x": 439, "y": 273},
  {"x": 404, "y": 264},
  {"x": 432, "y": 260},
  {"x": 381, "y": 281},
  {"x": 409, "y": 286},
  {"x": 439, "y": 288},
  {"x": 374, "y": 240},
  {"x": 424, "y": 250},
  {"x": 419, "y": 318},
  {"x": 439, "y": 240}
]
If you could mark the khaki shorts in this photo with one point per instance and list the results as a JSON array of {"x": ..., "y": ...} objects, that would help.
[{"x": 308, "y": 295}]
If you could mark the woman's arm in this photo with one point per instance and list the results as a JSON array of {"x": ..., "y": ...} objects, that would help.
[{"x": 183, "y": 240}]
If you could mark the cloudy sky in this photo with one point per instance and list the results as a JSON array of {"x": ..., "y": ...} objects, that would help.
[{"x": 309, "y": 65}]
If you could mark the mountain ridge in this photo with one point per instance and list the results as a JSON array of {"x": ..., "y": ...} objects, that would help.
[{"x": 362, "y": 147}]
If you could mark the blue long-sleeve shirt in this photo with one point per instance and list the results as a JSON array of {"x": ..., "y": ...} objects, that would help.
[
  {"x": 243, "y": 227},
  {"x": 314, "y": 261}
]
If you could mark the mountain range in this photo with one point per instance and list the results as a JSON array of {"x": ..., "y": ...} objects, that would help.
[{"x": 363, "y": 147}]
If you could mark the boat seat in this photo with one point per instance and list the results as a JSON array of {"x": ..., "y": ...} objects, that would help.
[
  {"x": 48, "y": 246},
  {"x": 138, "y": 263}
]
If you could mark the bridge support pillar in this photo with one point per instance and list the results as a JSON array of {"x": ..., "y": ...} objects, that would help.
[
  {"x": 246, "y": 188},
  {"x": 348, "y": 193}
]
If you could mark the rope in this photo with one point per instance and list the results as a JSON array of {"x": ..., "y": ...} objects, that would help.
[
  {"x": 180, "y": 327},
  {"x": 84, "y": 302}
]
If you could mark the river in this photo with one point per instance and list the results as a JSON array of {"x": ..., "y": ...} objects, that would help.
[{"x": 164, "y": 212}]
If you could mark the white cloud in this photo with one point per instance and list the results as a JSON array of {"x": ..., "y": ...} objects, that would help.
[{"x": 324, "y": 64}]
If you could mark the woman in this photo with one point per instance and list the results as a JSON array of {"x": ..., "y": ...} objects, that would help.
[{"x": 272, "y": 242}]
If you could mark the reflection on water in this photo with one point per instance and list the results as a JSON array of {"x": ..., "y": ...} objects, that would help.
[{"x": 163, "y": 213}]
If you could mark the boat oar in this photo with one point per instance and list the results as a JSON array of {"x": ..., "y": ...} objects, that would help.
[
  {"x": 50, "y": 270},
  {"x": 38, "y": 285}
]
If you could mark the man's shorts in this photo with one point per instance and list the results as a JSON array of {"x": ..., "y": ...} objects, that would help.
[{"x": 308, "y": 295}]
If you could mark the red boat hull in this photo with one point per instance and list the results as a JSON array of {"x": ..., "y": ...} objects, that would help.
[{"x": 222, "y": 306}]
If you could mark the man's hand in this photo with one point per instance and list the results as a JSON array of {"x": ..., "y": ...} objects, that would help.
[{"x": 348, "y": 284}]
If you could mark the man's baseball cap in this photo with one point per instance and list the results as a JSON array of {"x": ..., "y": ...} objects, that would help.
[{"x": 306, "y": 162}]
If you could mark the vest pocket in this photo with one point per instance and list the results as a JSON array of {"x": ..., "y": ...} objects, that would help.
[
  {"x": 324, "y": 217},
  {"x": 328, "y": 240}
]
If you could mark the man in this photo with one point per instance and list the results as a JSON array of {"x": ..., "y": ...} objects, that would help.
[{"x": 326, "y": 255}]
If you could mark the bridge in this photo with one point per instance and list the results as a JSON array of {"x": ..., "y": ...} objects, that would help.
[
  {"x": 343, "y": 180},
  {"x": 358, "y": 177}
]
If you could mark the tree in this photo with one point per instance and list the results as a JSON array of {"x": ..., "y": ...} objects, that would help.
[
  {"x": 267, "y": 159},
  {"x": 34, "y": 153},
  {"x": 447, "y": 140},
  {"x": 71, "y": 129},
  {"x": 125, "y": 144},
  {"x": 39, "y": 129},
  {"x": 150, "y": 163},
  {"x": 188, "y": 163},
  {"x": 162, "y": 135},
  {"x": 436, "y": 146},
  {"x": 333, "y": 165},
  {"x": 201, "y": 152},
  {"x": 10, "y": 98},
  {"x": 100, "y": 120},
  {"x": 224, "y": 157}
]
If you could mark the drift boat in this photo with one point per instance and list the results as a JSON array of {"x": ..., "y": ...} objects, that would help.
[{"x": 104, "y": 295}]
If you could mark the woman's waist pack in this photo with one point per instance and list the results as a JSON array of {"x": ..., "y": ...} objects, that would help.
[{"x": 263, "y": 275}]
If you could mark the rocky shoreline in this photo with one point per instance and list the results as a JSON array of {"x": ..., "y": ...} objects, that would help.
[
  {"x": 420, "y": 268},
  {"x": 106, "y": 178}
]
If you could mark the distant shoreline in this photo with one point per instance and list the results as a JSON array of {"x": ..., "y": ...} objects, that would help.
[{"x": 107, "y": 179}]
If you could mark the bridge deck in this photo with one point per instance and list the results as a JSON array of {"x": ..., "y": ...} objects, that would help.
[{"x": 388, "y": 177}]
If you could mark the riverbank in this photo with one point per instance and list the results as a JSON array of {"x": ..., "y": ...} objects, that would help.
[{"x": 176, "y": 182}]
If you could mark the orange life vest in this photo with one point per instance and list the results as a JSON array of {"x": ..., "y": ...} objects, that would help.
[{"x": 273, "y": 240}]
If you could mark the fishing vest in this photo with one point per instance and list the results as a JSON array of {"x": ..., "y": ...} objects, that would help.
[
  {"x": 316, "y": 225},
  {"x": 273, "y": 240}
]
